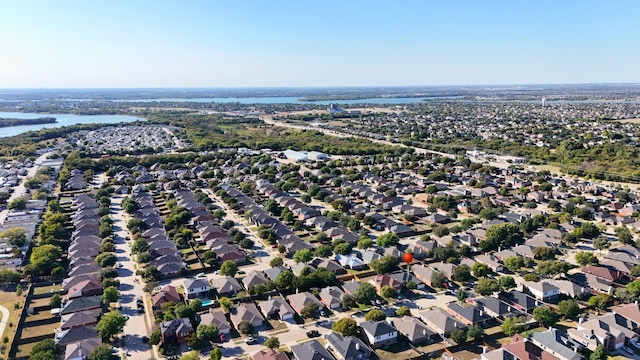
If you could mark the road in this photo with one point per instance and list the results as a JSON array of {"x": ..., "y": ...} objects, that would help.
[
  {"x": 130, "y": 290},
  {"x": 268, "y": 119}
]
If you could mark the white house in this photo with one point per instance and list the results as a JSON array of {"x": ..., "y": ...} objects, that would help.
[
  {"x": 196, "y": 287},
  {"x": 379, "y": 333},
  {"x": 542, "y": 290}
]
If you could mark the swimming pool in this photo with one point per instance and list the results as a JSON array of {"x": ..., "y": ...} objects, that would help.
[{"x": 207, "y": 302}]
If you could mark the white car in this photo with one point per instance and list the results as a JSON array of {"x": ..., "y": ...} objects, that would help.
[{"x": 201, "y": 276}]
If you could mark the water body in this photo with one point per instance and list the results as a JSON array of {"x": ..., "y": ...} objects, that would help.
[
  {"x": 63, "y": 120},
  {"x": 292, "y": 100}
]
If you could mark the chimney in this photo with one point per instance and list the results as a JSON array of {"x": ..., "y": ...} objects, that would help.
[
  {"x": 481, "y": 313},
  {"x": 357, "y": 346},
  {"x": 485, "y": 349}
]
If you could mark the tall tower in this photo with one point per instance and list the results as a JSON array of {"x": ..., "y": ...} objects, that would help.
[{"x": 543, "y": 100}]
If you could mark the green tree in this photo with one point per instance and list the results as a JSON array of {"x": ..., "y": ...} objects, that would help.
[
  {"x": 384, "y": 265},
  {"x": 462, "y": 273},
  {"x": 437, "y": 279},
  {"x": 502, "y": 235},
  {"x": 303, "y": 256},
  {"x": 388, "y": 239},
  {"x": 364, "y": 243},
  {"x": 514, "y": 263},
  {"x": 106, "y": 259},
  {"x": 459, "y": 336},
  {"x": 155, "y": 338},
  {"x": 275, "y": 262},
  {"x": 599, "y": 354},
  {"x": 110, "y": 294},
  {"x": 348, "y": 302},
  {"x": 601, "y": 243},
  {"x": 323, "y": 251},
  {"x": 545, "y": 316},
  {"x": 365, "y": 293},
  {"x": 345, "y": 327},
  {"x": 101, "y": 352},
  {"x": 506, "y": 283},
  {"x": 226, "y": 304},
  {"x": 15, "y": 236},
  {"x": 569, "y": 309},
  {"x": 375, "y": 315},
  {"x": 191, "y": 355},
  {"x": 284, "y": 280},
  {"x": 343, "y": 249},
  {"x": 43, "y": 258},
  {"x": 272, "y": 343},
  {"x": 403, "y": 310},
  {"x": 543, "y": 253},
  {"x": 139, "y": 246},
  {"x": 480, "y": 270},
  {"x": 55, "y": 301},
  {"x": 586, "y": 258},
  {"x": 110, "y": 324},
  {"x": 511, "y": 326},
  {"x": 246, "y": 328},
  {"x": 475, "y": 332},
  {"x": 624, "y": 235},
  {"x": 216, "y": 354},
  {"x": 206, "y": 332},
  {"x": 388, "y": 292},
  {"x": 487, "y": 286},
  {"x": 310, "y": 310},
  {"x": 228, "y": 268}
]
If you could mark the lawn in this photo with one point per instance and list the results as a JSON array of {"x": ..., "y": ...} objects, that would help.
[
  {"x": 7, "y": 299},
  {"x": 33, "y": 331},
  {"x": 47, "y": 289},
  {"x": 397, "y": 352}
]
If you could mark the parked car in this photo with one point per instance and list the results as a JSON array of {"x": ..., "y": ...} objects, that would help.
[
  {"x": 201, "y": 276},
  {"x": 313, "y": 333},
  {"x": 250, "y": 340}
]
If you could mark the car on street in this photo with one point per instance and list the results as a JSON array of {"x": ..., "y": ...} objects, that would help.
[
  {"x": 201, "y": 276},
  {"x": 313, "y": 333},
  {"x": 250, "y": 340}
]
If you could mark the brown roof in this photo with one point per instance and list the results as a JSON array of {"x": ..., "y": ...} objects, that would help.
[
  {"x": 602, "y": 272},
  {"x": 165, "y": 295},
  {"x": 525, "y": 349},
  {"x": 270, "y": 354}
]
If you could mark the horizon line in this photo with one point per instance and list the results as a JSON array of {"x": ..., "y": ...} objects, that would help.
[{"x": 315, "y": 87}]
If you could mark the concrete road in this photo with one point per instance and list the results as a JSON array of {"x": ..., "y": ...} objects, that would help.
[{"x": 130, "y": 290}]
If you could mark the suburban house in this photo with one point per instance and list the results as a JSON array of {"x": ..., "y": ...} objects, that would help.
[
  {"x": 166, "y": 294},
  {"x": 497, "y": 308},
  {"x": 277, "y": 308},
  {"x": 441, "y": 322},
  {"x": 82, "y": 304},
  {"x": 347, "y": 347},
  {"x": 299, "y": 300},
  {"x": 218, "y": 318},
  {"x": 247, "y": 312},
  {"x": 331, "y": 297},
  {"x": 270, "y": 354},
  {"x": 414, "y": 330},
  {"x": 542, "y": 290},
  {"x": 379, "y": 333},
  {"x": 602, "y": 330},
  {"x": 311, "y": 350},
  {"x": 226, "y": 286},
  {"x": 558, "y": 343},
  {"x": 176, "y": 331},
  {"x": 469, "y": 315},
  {"x": 196, "y": 287}
]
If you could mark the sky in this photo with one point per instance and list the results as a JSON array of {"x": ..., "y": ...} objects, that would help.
[{"x": 308, "y": 43}]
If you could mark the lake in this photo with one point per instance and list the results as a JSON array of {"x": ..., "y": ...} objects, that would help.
[
  {"x": 292, "y": 100},
  {"x": 63, "y": 120}
]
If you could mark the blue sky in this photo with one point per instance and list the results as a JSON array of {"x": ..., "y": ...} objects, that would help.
[{"x": 156, "y": 43}]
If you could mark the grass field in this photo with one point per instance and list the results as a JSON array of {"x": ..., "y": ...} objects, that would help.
[
  {"x": 7, "y": 299},
  {"x": 47, "y": 289}
]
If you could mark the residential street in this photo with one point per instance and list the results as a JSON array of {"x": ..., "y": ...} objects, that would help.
[{"x": 136, "y": 326}]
